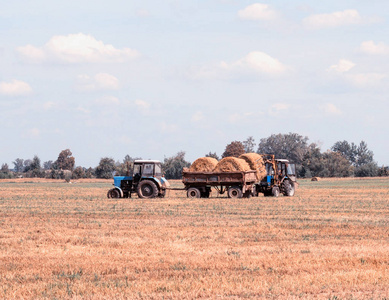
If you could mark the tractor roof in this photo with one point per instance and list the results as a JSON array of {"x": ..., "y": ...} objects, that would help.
[
  {"x": 142, "y": 161},
  {"x": 282, "y": 160}
]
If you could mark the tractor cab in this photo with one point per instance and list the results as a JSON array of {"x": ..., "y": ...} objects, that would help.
[{"x": 147, "y": 169}]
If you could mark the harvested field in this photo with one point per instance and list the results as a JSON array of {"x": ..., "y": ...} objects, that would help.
[
  {"x": 232, "y": 164},
  {"x": 68, "y": 241},
  {"x": 256, "y": 163},
  {"x": 203, "y": 164}
]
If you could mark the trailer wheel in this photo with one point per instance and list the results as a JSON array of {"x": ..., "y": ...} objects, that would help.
[
  {"x": 193, "y": 193},
  {"x": 147, "y": 189},
  {"x": 275, "y": 191},
  {"x": 113, "y": 193},
  {"x": 234, "y": 192}
]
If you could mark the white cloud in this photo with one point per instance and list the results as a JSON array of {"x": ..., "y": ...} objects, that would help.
[
  {"x": 365, "y": 80},
  {"x": 49, "y": 105},
  {"x": 142, "y": 105},
  {"x": 239, "y": 117},
  {"x": 335, "y": 19},
  {"x": 342, "y": 66},
  {"x": 142, "y": 13},
  {"x": 168, "y": 128},
  {"x": 31, "y": 133},
  {"x": 107, "y": 100},
  {"x": 107, "y": 81},
  {"x": 258, "y": 62},
  {"x": 101, "y": 81},
  {"x": 125, "y": 140},
  {"x": 370, "y": 47},
  {"x": 330, "y": 109},
  {"x": 197, "y": 116},
  {"x": 277, "y": 108},
  {"x": 257, "y": 11},
  {"x": 76, "y": 48},
  {"x": 15, "y": 88}
]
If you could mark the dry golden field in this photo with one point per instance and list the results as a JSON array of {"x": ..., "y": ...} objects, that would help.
[{"x": 68, "y": 241}]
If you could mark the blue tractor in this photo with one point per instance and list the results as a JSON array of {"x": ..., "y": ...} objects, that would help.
[
  {"x": 146, "y": 181},
  {"x": 280, "y": 178}
]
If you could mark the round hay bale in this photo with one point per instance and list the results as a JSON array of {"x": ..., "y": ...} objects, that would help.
[
  {"x": 256, "y": 163},
  {"x": 315, "y": 179},
  {"x": 232, "y": 164},
  {"x": 203, "y": 164}
]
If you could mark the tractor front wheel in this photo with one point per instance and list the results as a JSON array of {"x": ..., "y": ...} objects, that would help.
[
  {"x": 275, "y": 191},
  {"x": 113, "y": 193},
  {"x": 288, "y": 188},
  {"x": 147, "y": 189}
]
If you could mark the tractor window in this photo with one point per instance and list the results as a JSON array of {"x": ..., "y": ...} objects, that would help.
[
  {"x": 158, "y": 170},
  {"x": 137, "y": 169},
  {"x": 291, "y": 169},
  {"x": 148, "y": 169}
]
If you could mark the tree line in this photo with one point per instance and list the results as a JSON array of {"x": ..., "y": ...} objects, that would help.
[{"x": 344, "y": 159}]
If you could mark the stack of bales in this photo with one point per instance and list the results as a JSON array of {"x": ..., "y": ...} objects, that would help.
[
  {"x": 245, "y": 162},
  {"x": 256, "y": 163},
  {"x": 203, "y": 164},
  {"x": 232, "y": 164}
]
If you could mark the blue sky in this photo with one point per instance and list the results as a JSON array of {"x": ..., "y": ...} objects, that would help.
[{"x": 151, "y": 78}]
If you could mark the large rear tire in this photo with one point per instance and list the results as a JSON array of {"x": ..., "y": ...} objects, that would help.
[
  {"x": 234, "y": 192},
  {"x": 147, "y": 189}
]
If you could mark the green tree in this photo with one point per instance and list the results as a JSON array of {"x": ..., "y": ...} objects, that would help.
[
  {"x": 105, "y": 168},
  {"x": 213, "y": 155},
  {"x": 173, "y": 166},
  {"x": 249, "y": 145},
  {"x": 234, "y": 148},
  {"x": 369, "y": 169},
  {"x": 5, "y": 172},
  {"x": 312, "y": 164},
  {"x": 79, "y": 172},
  {"x": 348, "y": 150},
  {"x": 336, "y": 165},
  {"x": 361, "y": 157},
  {"x": 291, "y": 146},
  {"x": 27, "y": 164},
  {"x": 18, "y": 165},
  {"x": 47, "y": 165},
  {"x": 35, "y": 169},
  {"x": 65, "y": 160}
]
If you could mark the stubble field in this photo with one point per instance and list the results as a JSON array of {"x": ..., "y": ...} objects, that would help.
[{"x": 60, "y": 240}]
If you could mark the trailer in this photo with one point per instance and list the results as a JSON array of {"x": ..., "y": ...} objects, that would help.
[{"x": 236, "y": 184}]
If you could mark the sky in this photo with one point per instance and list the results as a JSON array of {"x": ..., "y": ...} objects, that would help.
[{"x": 152, "y": 78}]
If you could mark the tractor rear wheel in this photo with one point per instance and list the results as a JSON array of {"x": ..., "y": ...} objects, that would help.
[
  {"x": 234, "y": 192},
  {"x": 193, "y": 193},
  {"x": 113, "y": 193},
  {"x": 147, "y": 189}
]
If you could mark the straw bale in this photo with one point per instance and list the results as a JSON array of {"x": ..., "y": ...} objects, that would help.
[
  {"x": 203, "y": 164},
  {"x": 232, "y": 164},
  {"x": 256, "y": 163}
]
